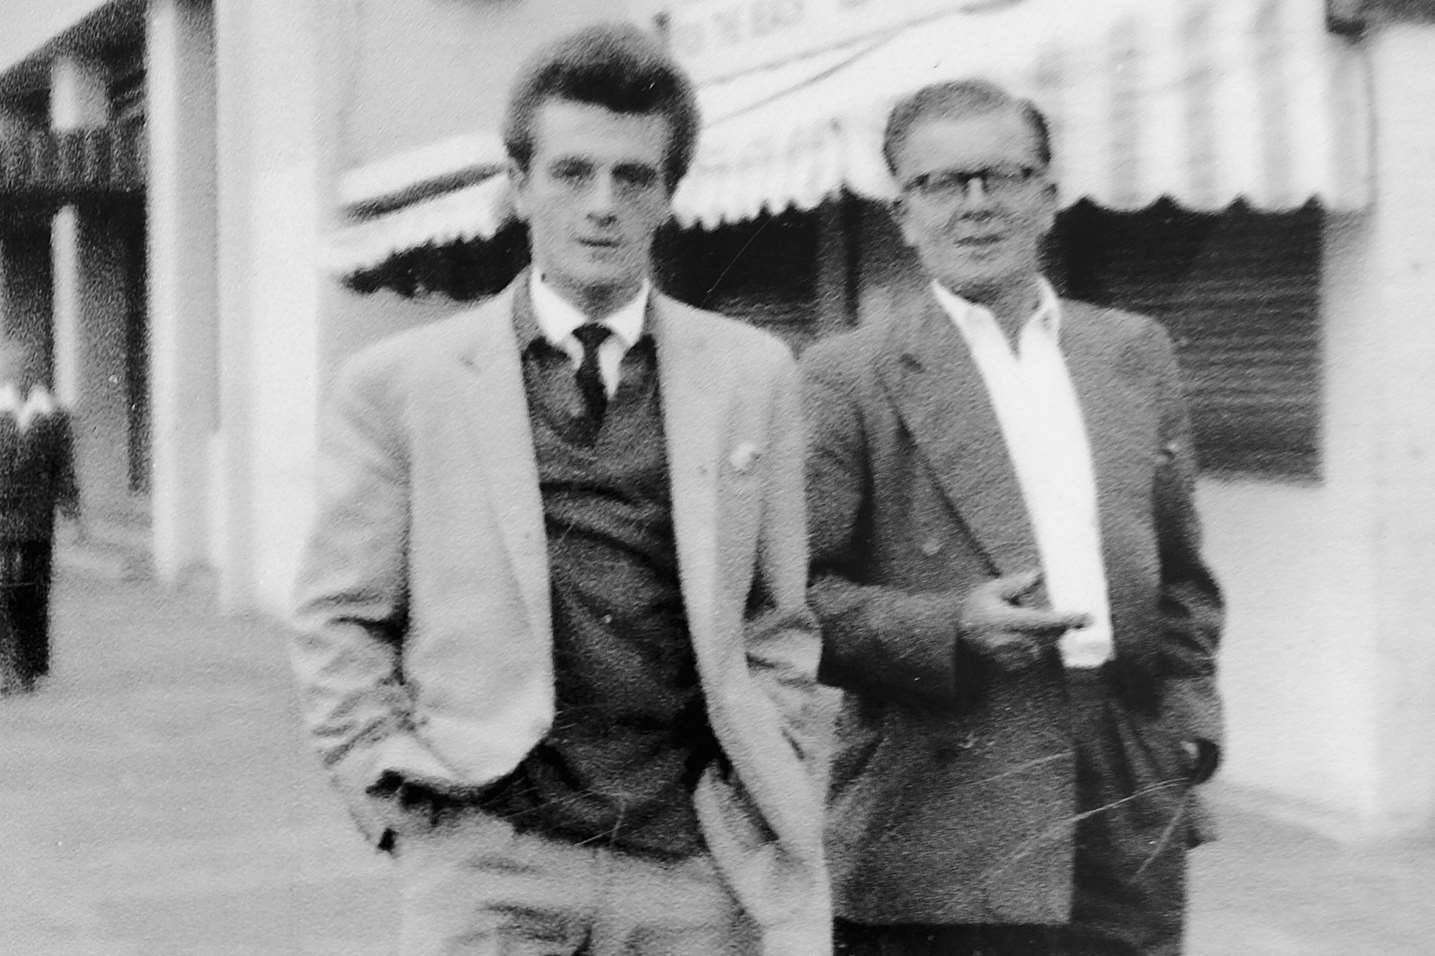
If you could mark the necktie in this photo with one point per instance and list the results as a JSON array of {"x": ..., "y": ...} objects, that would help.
[{"x": 590, "y": 379}]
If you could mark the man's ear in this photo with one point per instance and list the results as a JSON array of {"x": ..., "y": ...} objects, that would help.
[
  {"x": 518, "y": 187},
  {"x": 1050, "y": 206}
]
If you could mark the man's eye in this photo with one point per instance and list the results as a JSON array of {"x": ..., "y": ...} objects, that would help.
[
  {"x": 572, "y": 172},
  {"x": 636, "y": 177}
]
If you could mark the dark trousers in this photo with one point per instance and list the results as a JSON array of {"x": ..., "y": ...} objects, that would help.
[
  {"x": 1129, "y": 897},
  {"x": 854, "y": 939},
  {"x": 24, "y": 613}
]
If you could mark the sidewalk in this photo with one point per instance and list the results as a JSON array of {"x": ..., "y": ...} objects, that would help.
[
  {"x": 157, "y": 798},
  {"x": 1275, "y": 890}
]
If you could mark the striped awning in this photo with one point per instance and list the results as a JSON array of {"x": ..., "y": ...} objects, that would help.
[
  {"x": 1201, "y": 101},
  {"x": 1204, "y": 102},
  {"x": 450, "y": 191}
]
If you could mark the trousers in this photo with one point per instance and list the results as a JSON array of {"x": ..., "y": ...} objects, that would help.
[{"x": 473, "y": 884}]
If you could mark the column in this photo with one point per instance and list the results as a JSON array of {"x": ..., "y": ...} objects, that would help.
[
  {"x": 232, "y": 476},
  {"x": 1402, "y": 265},
  {"x": 183, "y": 281},
  {"x": 1380, "y": 281},
  {"x": 271, "y": 206}
]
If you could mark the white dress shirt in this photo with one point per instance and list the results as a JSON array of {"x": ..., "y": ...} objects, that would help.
[
  {"x": 39, "y": 402},
  {"x": 557, "y": 318},
  {"x": 1040, "y": 419}
]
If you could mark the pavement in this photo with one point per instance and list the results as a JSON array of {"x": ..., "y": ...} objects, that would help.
[{"x": 157, "y": 798}]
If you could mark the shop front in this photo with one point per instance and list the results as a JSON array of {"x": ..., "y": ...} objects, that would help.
[{"x": 1244, "y": 171}]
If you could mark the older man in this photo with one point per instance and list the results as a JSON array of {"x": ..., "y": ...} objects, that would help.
[
  {"x": 1006, "y": 566},
  {"x": 553, "y": 636}
]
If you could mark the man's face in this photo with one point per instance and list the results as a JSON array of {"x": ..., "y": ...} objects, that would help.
[
  {"x": 593, "y": 196},
  {"x": 975, "y": 201}
]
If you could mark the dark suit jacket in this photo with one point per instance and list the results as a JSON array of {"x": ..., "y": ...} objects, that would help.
[
  {"x": 37, "y": 475},
  {"x": 953, "y": 792}
]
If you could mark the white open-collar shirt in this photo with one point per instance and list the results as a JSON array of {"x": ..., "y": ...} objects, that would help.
[
  {"x": 1041, "y": 422},
  {"x": 37, "y": 403},
  {"x": 557, "y": 318}
]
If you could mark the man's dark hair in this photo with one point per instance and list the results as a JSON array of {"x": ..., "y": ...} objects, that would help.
[
  {"x": 615, "y": 66},
  {"x": 957, "y": 99}
]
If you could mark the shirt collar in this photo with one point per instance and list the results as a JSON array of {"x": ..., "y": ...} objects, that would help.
[
  {"x": 965, "y": 314},
  {"x": 38, "y": 402},
  {"x": 557, "y": 317}
]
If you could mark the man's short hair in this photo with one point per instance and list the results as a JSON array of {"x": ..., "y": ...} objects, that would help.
[
  {"x": 615, "y": 66},
  {"x": 957, "y": 99}
]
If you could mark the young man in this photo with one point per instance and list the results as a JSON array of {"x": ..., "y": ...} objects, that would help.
[
  {"x": 553, "y": 639},
  {"x": 1006, "y": 566}
]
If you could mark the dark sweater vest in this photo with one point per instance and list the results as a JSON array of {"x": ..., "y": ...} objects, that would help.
[{"x": 630, "y": 735}]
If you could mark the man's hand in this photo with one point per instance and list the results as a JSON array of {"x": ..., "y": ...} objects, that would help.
[
  {"x": 1000, "y": 630},
  {"x": 1203, "y": 756},
  {"x": 428, "y": 799}
]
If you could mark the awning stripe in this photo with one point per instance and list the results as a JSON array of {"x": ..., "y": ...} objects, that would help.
[
  {"x": 473, "y": 212},
  {"x": 392, "y": 181},
  {"x": 1272, "y": 102},
  {"x": 1128, "y": 70},
  {"x": 1200, "y": 54}
]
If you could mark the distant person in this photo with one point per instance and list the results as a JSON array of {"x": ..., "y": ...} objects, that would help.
[
  {"x": 1007, "y": 568},
  {"x": 37, "y": 477},
  {"x": 553, "y": 638}
]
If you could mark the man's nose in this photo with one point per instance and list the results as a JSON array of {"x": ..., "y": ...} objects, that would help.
[
  {"x": 975, "y": 192},
  {"x": 976, "y": 201},
  {"x": 602, "y": 198}
]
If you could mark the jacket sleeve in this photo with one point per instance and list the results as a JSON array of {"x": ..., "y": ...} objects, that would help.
[
  {"x": 1191, "y": 603},
  {"x": 781, "y": 633},
  {"x": 878, "y": 640},
  {"x": 350, "y": 605}
]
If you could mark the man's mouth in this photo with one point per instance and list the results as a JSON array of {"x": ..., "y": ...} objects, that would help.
[{"x": 978, "y": 241}]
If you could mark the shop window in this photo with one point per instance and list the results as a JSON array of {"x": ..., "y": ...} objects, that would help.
[{"x": 1239, "y": 293}]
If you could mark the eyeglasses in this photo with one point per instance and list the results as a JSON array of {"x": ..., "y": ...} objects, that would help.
[{"x": 947, "y": 185}]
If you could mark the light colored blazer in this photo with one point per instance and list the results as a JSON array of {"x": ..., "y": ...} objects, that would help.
[
  {"x": 953, "y": 787},
  {"x": 423, "y": 639}
]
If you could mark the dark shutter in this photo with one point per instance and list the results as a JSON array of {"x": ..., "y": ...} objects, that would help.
[
  {"x": 762, "y": 270},
  {"x": 1240, "y": 294}
]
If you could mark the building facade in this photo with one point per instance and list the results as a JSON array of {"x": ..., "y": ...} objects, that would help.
[{"x": 1254, "y": 173}]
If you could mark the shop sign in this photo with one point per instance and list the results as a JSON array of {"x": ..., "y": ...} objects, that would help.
[{"x": 721, "y": 38}]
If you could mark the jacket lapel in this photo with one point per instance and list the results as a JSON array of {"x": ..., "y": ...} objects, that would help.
[
  {"x": 1118, "y": 415},
  {"x": 942, "y": 399},
  {"x": 693, "y": 391},
  {"x": 502, "y": 444}
]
